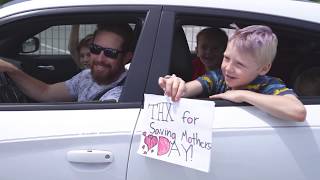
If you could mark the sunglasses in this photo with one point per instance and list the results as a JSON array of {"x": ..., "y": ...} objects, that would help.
[{"x": 108, "y": 52}]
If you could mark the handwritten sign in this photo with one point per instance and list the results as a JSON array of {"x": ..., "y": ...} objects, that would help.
[{"x": 177, "y": 132}]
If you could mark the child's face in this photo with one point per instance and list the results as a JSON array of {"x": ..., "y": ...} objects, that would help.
[
  {"x": 239, "y": 68},
  {"x": 210, "y": 52},
  {"x": 85, "y": 57}
]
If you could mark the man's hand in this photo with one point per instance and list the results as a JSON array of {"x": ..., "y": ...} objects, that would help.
[{"x": 172, "y": 86}]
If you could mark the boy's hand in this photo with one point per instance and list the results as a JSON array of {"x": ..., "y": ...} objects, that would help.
[
  {"x": 172, "y": 86},
  {"x": 231, "y": 95}
]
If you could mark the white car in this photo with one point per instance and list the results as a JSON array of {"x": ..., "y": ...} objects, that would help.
[{"x": 99, "y": 140}]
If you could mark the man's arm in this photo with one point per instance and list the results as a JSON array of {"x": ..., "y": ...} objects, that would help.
[
  {"x": 34, "y": 88},
  {"x": 283, "y": 107}
]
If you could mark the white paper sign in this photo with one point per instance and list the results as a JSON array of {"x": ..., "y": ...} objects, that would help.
[{"x": 177, "y": 132}]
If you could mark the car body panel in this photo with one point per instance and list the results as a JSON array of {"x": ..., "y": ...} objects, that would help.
[
  {"x": 247, "y": 144},
  {"x": 41, "y": 153}
]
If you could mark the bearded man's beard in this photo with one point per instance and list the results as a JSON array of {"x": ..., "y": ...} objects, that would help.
[{"x": 103, "y": 76}]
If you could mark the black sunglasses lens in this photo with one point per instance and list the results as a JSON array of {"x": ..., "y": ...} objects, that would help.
[
  {"x": 110, "y": 53},
  {"x": 94, "y": 49}
]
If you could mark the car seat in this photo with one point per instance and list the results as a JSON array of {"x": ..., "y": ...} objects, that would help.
[{"x": 181, "y": 60}]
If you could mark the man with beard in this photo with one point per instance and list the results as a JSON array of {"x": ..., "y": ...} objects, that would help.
[{"x": 110, "y": 51}]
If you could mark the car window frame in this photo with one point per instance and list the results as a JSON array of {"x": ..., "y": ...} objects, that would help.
[
  {"x": 161, "y": 60},
  {"x": 132, "y": 95}
]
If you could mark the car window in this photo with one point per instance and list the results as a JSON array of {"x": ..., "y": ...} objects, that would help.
[
  {"x": 191, "y": 32},
  {"x": 297, "y": 52},
  {"x": 42, "y": 51},
  {"x": 54, "y": 40}
]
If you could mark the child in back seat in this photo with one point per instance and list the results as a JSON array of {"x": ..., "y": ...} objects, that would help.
[{"x": 308, "y": 82}]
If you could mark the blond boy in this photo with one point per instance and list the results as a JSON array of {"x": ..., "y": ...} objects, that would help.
[{"x": 242, "y": 78}]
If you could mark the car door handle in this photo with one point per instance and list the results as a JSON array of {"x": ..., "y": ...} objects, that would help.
[
  {"x": 50, "y": 68},
  {"x": 90, "y": 156}
]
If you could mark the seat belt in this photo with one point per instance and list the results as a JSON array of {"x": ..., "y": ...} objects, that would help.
[{"x": 100, "y": 94}]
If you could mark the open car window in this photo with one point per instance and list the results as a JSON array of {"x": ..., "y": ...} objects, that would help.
[
  {"x": 42, "y": 51},
  {"x": 54, "y": 40},
  {"x": 297, "y": 52}
]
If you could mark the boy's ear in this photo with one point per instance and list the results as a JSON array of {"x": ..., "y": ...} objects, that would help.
[
  {"x": 196, "y": 49},
  {"x": 127, "y": 58},
  {"x": 265, "y": 69}
]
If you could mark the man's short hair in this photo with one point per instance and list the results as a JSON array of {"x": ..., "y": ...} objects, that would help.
[
  {"x": 216, "y": 33},
  {"x": 257, "y": 40},
  {"x": 122, "y": 29}
]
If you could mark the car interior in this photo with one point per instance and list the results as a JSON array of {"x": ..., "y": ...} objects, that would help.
[
  {"x": 24, "y": 51},
  {"x": 298, "y": 49}
]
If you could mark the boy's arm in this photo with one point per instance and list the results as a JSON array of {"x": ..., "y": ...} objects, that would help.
[
  {"x": 283, "y": 107},
  {"x": 73, "y": 43},
  {"x": 34, "y": 88},
  {"x": 176, "y": 87}
]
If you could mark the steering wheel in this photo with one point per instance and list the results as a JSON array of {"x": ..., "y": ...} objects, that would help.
[{"x": 9, "y": 92}]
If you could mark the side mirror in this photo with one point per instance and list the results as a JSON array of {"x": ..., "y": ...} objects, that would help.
[{"x": 30, "y": 45}]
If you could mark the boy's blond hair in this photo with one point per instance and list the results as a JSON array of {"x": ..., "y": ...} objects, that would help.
[{"x": 258, "y": 41}]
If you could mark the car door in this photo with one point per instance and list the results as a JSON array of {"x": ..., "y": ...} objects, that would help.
[
  {"x": 49, "y": 69},
  {"x": 247, "y": 143},
  {"x": 87, "y": 140}
]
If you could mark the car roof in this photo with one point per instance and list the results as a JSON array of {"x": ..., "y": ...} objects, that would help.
[{"x": 283, "y": 8}]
